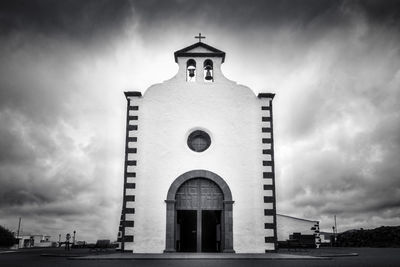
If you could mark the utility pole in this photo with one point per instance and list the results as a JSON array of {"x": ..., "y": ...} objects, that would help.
[
  {"x": 19, "y": 227},
  {"x": 335, "y": 230},
  {"x": 335, "y": 226}
]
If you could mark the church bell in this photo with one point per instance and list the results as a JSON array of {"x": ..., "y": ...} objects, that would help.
[
  {"x": 208, "y": 73},
  {"x": 191, "y": 70}
]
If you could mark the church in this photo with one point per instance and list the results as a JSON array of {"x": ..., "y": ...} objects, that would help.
[{"x": 199, "y": 163}]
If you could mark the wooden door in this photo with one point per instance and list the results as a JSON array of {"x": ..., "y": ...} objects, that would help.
[{"x": 198, "y": 194}]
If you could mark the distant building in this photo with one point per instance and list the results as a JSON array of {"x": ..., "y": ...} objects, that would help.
[
  {"x": 291, "y": 228},
  {"x": 326, "y": 238},
  {"x": 29, "y": 241}
]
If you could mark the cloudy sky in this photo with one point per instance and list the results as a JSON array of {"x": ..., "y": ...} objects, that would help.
[{"x": 334, "y": 66}]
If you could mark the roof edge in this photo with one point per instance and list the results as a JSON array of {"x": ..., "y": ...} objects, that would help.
[
  {"x": 133, "y": 94},
  {"x": 301, "y": 219},
  {"x": 266, "y": 95},
  {"x": 214, "y": 52}
]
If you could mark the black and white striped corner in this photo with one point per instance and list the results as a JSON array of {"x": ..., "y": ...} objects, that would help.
[
  {"x": 127, "y": 224},
  {"x": 268, "y": 174}
]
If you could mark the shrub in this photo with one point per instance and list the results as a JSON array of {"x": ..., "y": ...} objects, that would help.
[{"x": 7, "y": 238}]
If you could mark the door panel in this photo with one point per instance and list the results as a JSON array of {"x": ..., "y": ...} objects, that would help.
[
  {"x": 199, "y": 193},
  {"x": 211, "y": 230},
  {"x": 211, "y": 195},
  {"x": 187, "y": 224},
  {"x": 187, "y": 197}
]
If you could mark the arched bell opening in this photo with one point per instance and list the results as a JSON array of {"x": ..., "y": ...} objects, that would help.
[
  {"x": 191, "y": 70},
  {"x": 208, "y": 70},
  {"x": 199, "y": 214}
]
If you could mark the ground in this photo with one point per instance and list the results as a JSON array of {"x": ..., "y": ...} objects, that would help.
[{"x": 337, "y": 257}]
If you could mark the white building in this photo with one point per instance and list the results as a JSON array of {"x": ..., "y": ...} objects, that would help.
[
  {"x": 28, "y": 241},
  {"x": 289, "y": 227},
  {"x": 199, "y": 165}
]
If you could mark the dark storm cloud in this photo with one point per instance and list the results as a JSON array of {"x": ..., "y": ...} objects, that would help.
[
  {"x": 92, "y": 20},
  {"x": 312, "y": 16},
  {"x": 49, "y": 112},
  {"x": 248, "y": 15},
  {"x": 389, "y": 12},
  {"x": 78, "y": 19},
  {"x": 70, "y": 19},
  {"x": 29, "y": 155},
  {"x": 346, "y": 123}
]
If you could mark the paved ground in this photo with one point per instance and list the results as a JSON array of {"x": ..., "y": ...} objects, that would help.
[
  {"x": 199, "y": 256},
  {"x": 332, "y": 257}
]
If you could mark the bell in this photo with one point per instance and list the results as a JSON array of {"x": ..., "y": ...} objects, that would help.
[
  {"x": 208, "y": 75},
  {"x": 191, "y": 70}
]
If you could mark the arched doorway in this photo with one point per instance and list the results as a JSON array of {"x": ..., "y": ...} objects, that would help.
[
  {"x": 199, "y": 214},
  {"x": 199, "y": 204}
]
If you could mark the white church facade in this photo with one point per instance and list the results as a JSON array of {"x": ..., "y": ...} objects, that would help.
[{"x": 199, "y": 163}]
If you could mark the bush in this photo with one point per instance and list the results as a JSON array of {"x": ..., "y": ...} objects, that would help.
[
  {"x": 7, "y": 238},
  {"x": 385, "y": 236}
]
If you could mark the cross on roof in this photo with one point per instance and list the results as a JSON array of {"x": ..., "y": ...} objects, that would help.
[{"x": 200, "y": 37}]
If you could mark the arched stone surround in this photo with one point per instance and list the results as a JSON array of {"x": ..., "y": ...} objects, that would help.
[{"x": 227, "y": 239}]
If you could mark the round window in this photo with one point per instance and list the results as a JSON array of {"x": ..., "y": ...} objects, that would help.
[{"x": 199, "y": 141}]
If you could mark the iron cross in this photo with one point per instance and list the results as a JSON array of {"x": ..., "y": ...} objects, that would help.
[{"x": 200, "y": 37}]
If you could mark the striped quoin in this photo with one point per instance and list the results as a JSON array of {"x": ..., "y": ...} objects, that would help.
[
  {"x": 317, "y": 234},
  {"x": 127, "y": 223},
  {"x": 268, "y": 173}
]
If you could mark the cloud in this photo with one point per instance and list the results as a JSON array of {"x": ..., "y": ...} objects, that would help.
[
  {"x": 340, "y": 147},
  {"x": 59, "y": 160},
  {"x": 77, "y": 21}
]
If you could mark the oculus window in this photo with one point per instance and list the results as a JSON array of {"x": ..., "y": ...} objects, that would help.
[{"x": 199, "y": 141}]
